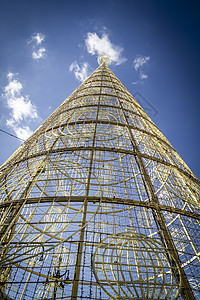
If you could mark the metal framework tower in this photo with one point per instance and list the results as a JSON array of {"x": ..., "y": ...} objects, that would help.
[{"x": 97, "y": 204}]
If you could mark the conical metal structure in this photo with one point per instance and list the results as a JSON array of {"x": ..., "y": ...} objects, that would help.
[{"x": 97, "y": 204}]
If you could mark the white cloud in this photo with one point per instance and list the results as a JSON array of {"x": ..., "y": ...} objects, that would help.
[
  {"x": 81, "y": 73},
  {"x": 21, "y": 132},
  {"x": 136, "y": 82},
  {"x": 97, "y": 45},
  {"x": 10, "y": 75},
  {"x": 20, "y": 106},
  {"x": 38, "y": 51},
  {"x": 143, "y": 76},
  {"x": 138, "y": 63},
  {"x": 12, "y": 89},
  {"x": 41, "y": 53},
  {"x": 38, "y": 38}
]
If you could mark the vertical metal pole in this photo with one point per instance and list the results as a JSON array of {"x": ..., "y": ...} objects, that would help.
[{"x": 75, "y": 285}]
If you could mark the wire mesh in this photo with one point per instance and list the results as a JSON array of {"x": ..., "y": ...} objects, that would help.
[{"x": 97, "y": 204}]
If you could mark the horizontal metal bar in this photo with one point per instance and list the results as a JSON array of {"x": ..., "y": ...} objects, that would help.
[
  {"x": 115, "y": 150},
  {"x": 104, "y": 200},
  {"x": 110, "y": 123}
]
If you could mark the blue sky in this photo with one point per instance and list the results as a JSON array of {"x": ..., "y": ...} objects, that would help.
[{"x": 48, "y": 47}]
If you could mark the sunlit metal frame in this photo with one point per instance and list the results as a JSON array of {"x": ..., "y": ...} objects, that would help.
[{"x": 96, "y": 177}]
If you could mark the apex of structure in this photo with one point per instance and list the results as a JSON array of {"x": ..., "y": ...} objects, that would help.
[{"x": 104, "y": 58}]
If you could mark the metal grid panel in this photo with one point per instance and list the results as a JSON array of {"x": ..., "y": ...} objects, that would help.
[{"x": 97, "y": 204}]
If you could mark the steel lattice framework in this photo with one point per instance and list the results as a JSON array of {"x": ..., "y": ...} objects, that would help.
[{"x": 97, "y": 204}]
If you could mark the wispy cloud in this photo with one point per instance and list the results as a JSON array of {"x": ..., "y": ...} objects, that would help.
[
  {"x": 22, "y": 132},
  {"x": 139, "y": 63},
  {"x": 41, "y": 53},
  {"x": 103, "y": 45},
  {"x": 143, "y": 76},
  {"x": 81, "y": 73},
  {"x": 38, "y": 38},
  {"x": 20, "y": 106},
  {"x": 38, "y": 51},
  {"x": 136, "y": 82}
]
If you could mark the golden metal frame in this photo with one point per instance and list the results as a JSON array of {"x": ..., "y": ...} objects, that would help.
[{"x": 97, "y": 204}]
